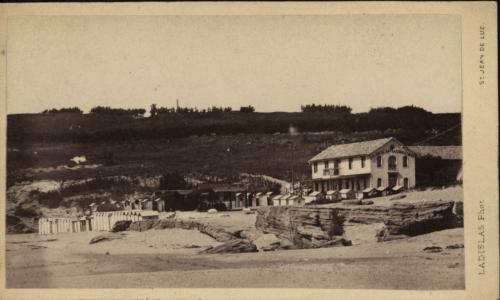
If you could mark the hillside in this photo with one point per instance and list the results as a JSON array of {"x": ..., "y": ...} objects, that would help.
[{"x": 84, "y": 128}]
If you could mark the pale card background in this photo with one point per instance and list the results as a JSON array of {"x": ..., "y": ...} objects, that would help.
[{"x": 480, "y": 140}]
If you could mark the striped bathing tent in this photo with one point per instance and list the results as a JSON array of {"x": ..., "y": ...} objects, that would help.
[
  {"x": 61, "y": 225},
  {"x": 106, "y": 219}
]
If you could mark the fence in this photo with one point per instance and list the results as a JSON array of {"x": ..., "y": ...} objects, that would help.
[
  {"x": 98, "y": 221},
  {"x": 61, "y": 225}
]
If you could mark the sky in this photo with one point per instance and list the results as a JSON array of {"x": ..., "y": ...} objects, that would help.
[{"x": 275, "y": 63}]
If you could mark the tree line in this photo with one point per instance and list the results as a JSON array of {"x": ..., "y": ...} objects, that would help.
[
  {"x": 326, "y": 108},
  {"x": 154, "y": 111},
  {"x": 214, "y": 110}
]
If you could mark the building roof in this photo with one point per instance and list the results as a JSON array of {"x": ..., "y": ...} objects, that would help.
[
  {"x": 397, "y": 188},
  {"x": 444, "y": 152},
  {"x": 352, "y": 149},
  {"x": 344, "y": 191},
  {"x": 331, "y": 192},
  {"x": 315, "y": 193},
  {"x": 278, "y": 197}
]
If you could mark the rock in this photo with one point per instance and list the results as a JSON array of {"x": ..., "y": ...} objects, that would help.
[
  {"x": 433, "y": 249},
  {"x": 337, "y": 242},
  {"x": 455, "y": 246},
  {"x": 387, "y": 238},
  {"x": 267, "y": 242},
  {"x": 18, "y": 225},
  {"x": 142, "y": 225},
  {"x": 212, "y": 211},
  {"x": 458, "y": 213},
  {"x": 247, "y": 235},
  {"x": 250, "y": 212},
  {"x": 286, "y": 245},
  {"x": 397, "y": 197},
  {"x": 121, "y": 225},
  {"x": 106, "y": 237},
  {"x": 454, "y": 265},
  {"x": 401, "y": 219},
  {"x": 351, "y": 202},
  {"x": 164, "y": 223},
  {"x": 218, "y": 234},
  {"x": 233, "y": 246},
  {"x": 309, "y": 231},
  {"x": 366, "y": 202},
  {"x": 458, "y": 208}
]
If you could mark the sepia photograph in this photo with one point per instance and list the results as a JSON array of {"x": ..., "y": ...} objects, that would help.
[{"x": 235, "y": 151}]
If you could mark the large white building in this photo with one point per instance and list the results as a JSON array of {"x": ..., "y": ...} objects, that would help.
[{"x": 378, "y": 164}]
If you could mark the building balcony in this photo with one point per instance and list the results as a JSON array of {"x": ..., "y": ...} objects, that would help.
[
  {"x": 393, "y": 167},
  {"x": 331, "y": 172}
]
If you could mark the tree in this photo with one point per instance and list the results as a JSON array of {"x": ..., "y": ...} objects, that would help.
[
  {"x": 70, "y": 110},
  {"x": 247, "y": 109},
  {"x": 172, "y": 181},
  {"x": 153, "y": 111},
  {"x": 330, "y": 108}
]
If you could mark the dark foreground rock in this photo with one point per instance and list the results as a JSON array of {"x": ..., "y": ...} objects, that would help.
[
  {"x": 233, "y": 246},
  {"x": 17, "y": 225},
  {"x": 121, "y": 225},
  {"x": 106, "y": 237}
]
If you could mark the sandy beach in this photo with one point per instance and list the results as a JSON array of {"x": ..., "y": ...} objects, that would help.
[{"x": 169, "y": 258}]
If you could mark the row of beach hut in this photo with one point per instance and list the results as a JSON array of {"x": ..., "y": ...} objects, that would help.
[
  {"x": 63, "y": 225},
  {"x": 98, "y": 221}
]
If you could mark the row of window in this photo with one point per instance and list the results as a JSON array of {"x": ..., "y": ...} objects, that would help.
[
  {"x": 351, "y": 184},
  {"x": 336, "y": 163},
  {"x": 392, "y": 161}
]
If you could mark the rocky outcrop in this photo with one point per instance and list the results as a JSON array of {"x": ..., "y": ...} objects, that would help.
[
  {"x": 315, "y": 226},
  {"x": 18, "y": 225},
  {"x": 233, "y": 246},
  {"x": 217, "y": 233},
  {"x": 106, "y": 237},
  {"x": 142, "y": 225},
  {"x": 306, "y": 227},
  {"x": 121, "y": 225},
  {"x": 412, "y": 219}
]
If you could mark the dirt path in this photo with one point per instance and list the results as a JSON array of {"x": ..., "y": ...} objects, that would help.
[{"x": 69, "y": 261}]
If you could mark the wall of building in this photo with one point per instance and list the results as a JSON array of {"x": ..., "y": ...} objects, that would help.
[
  {"x": 383, "y": 172},
  {"x": 344, "y": 170},
  {"x": 396, "y": 149}
]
